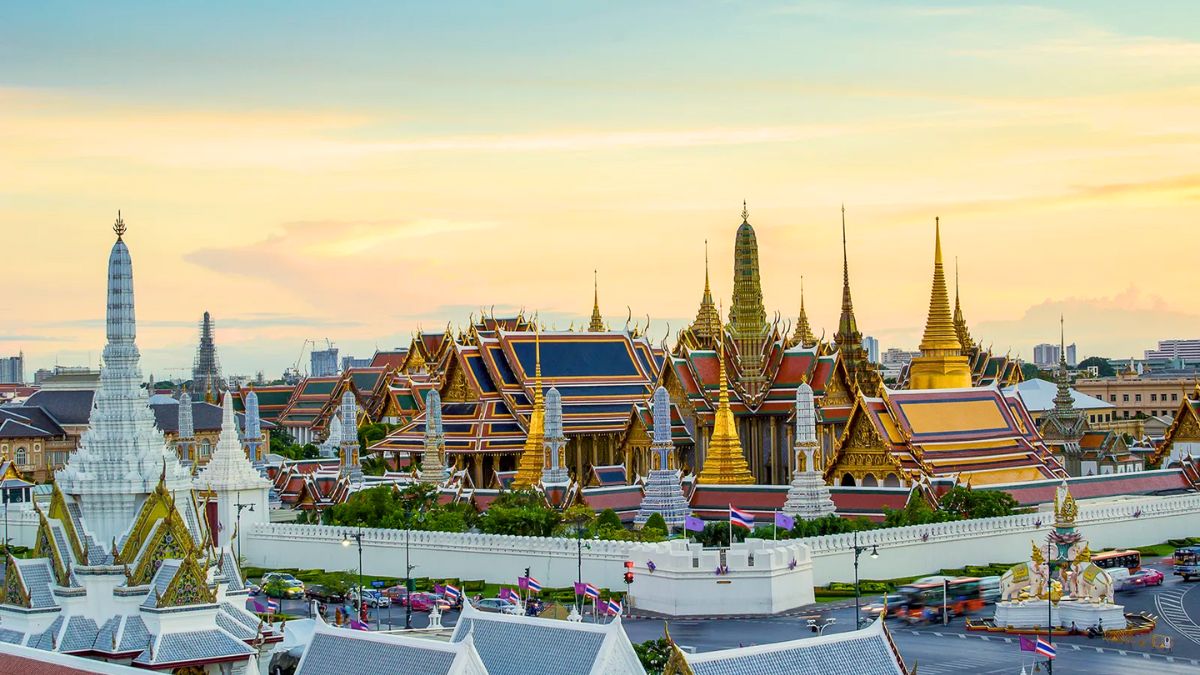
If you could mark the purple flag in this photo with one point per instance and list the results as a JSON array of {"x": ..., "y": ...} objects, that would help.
[
  {"x": 694, "y": 524},
  {"x": 784, "y": 520},
  {"x": 258, "y": 607},
  {"x": 1028, "y": 644},
  {"x": 579, "y": 588},
  {"x": 438, "y": 589},
  {"x": 523, "y": 583}
]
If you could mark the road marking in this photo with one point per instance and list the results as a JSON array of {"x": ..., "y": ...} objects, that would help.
[
  {"x": 963, "y": 636},
  {"x": 1075, "y": 647},
  {"x": 937, "y": 634},
  {"x": 1171, "y": 609}
]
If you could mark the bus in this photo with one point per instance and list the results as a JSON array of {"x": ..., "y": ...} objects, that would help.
[
  {"x": 1187, "y": 562},
  {"x": 1130, "y": 560},
  {"x": 925, "y": 601}
]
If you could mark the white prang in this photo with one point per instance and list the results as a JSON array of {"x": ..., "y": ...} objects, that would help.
[
  {"x": 808, "y": 496},
  {"x": 433, "y": 464},
  {"x": 664, "y": 491},
  {"x": 122, "y": 453},
  {"x": 233, "y": 480},
  {"x": 252, "y": 434}
]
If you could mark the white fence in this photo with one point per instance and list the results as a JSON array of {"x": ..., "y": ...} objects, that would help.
[{"x": 908, "y": 551}]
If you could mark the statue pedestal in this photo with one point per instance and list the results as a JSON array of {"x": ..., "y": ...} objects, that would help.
[
  {"x": 1087, "y": 615},
  {"x": 1028, "y": 615},
  {"x": 1083, "y": 614}
]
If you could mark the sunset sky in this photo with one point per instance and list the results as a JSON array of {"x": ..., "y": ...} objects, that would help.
[{"x": 354, "y": 171}]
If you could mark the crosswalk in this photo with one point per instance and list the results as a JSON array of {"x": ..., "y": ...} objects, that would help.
[
  {"x": 967, "y": 664},
  {"x": 1170, "y": 609}
]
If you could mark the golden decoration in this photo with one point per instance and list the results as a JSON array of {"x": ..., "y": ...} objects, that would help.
[{"x": 724, "y": 463}]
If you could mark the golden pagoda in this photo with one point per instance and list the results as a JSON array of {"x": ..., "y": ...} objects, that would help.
[
  {"x": 724, "y": 463},
  {"x": 848, "y": 338},
  {"x": 529, "y": 467},
  {"x": 706, "y": 330},
  {"x": 597, "y": 324},
  {"x": 803, "y": 335},
  {"x": 960, "y": 321},
  {"x": 748, "y": 326},
  {"x": 941, "y": 364}
]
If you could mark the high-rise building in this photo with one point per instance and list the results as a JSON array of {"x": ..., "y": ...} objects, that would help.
[
  {"x": 1047, "y": 355},
  {"x": 12, "y": 369},
  {"x": 207, "y": 383},
  {"x": 871, "y": 345},
  {"x": 1185, "y": 350},
  {"x": 324, "y": 362},
  {"x": 349, "y": 362}
]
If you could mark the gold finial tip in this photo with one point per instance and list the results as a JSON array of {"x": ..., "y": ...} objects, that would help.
[
  {"x": 745, "y": 212},
  {"x": 119, "y": 225}
]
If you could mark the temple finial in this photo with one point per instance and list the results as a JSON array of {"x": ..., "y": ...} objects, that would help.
[
  {"x": 597, "y": 324},
  {"x": 706, "y": 289},
  {"x": 745, "y": 212},
  {"x": 119, "y": 225}
]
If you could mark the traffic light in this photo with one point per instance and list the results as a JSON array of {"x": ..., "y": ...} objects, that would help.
[
  {"x": 629, "y": 577},
  {"x": 628, "y": 571}
]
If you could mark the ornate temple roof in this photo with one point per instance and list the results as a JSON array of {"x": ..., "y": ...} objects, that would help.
[{"x": 229, "y": 468}]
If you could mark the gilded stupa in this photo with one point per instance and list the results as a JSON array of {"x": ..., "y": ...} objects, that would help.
[
  {"x": 724, "y": 463},
  {"x": 706, "y": 330},
  {"x": 529, "y": 467},
  {"x": 597, "y": 323},
  {"x": 941, "y": 364},
  {"x": 803, "y": 335},
  {"x": 748, "y": 326}
]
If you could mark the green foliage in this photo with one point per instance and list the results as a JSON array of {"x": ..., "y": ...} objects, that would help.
[
  {"x": 608, "y": 518},
  {"x": 369, "y": 434},
  {"x": 522, "y": 513},
  {"x": 414, "y": 507},
  {"x": 1102, "y": 366},
  {"x": 653, "y": 654},
  {"x": 916, "y": 512},
  {"x": 963, "y": 502},
  {"x": 275, "y": 588},
  {"x": 310, "y": 451},
  {"x": 656, "y": 523}
]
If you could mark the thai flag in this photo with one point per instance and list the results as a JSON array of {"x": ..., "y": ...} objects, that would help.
[
  {"x": 533, "y": 585},
  {"x": 591, "y": 591},
  {"x": 272, "y": 606},
  {"x": 613, "y": 606},
  {"x": 741, "y": 518},
  {"x": 452, "y": 593},
  {"x": 1044, "y": 648},
  {"x": 509, "y": 594}
]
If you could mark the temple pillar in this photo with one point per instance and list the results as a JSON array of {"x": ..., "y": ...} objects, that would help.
[{"x": 774, "y": 454}]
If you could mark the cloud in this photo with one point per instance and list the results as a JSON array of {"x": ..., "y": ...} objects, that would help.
[{"x": 1101, "y": 326}]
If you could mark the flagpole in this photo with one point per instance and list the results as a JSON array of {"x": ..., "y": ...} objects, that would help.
[
  {"x": 731, "y": 526},
  {"x": 775, "y": 525}
]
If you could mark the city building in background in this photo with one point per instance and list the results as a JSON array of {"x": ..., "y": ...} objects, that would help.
[
  {"x": 1184, "y": 350},
  {"x": 12, "y": 369},
  {"x": 872, "y": 346},
  {"x": 324, "y": 361},
  {"x": 894, "y": 361},
  {"x": 1047, "y": 355},
  {"x": 349, "y": 362},
  {"x": 1136, "y": 395}
]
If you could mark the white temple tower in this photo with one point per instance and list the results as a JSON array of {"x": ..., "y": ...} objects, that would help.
[
  {"x": 664, "y": 493},
  {"x": 555, "y": 482},
  {"x": 185, "y": 440},
  {"x": 230, "y": 479},
  {"x": 252, "y": 437},
  {"x": 348, "y": 448},
  {"x": 433, "y": 462},
  {"x": 122, "y": 454},
  {"x": 808, "y": 496}
]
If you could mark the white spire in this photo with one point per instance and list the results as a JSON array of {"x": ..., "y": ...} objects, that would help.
[
  {"x": 253, "y": 423},
  {"x": 433, "y": 466},
  {"x": 229, "y": 469},
  {"x": 122, "y": 454},
  {"x": 554, "y": 438},
  {"x": 663, "y": 492},
  {"x": 663, "y": 443},
  {"x": 808, "y": 496},
  {"x": 187, "y": 429}
]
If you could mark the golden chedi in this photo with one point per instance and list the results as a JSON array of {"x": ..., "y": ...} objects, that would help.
[{"x": 941, "y": 364}]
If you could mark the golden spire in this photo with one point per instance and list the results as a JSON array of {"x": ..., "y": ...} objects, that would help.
[
  {"x": 941, "y": 364},
  {"x": 119, "y": 226},
  {"x": 724, "y": 463},
  {"x": 960, "y": 321},
  {"x": 803, "y": 335},
  {"x": 707, "y": 326},
  {"x": 597, "y": 324},
  {"x": 529, "y": 468}
]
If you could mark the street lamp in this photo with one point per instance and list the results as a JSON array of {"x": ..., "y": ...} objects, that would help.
[
  {"x": 238, "y": 528},
  {"x": 819, "y": 628},
  {"x": 357, "y": 536},
  {"x": 859, "y": 550},
  {"x": 408, "y": 566}
]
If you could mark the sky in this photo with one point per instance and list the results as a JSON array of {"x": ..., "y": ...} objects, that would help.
[{"x": 356, "y": 171}]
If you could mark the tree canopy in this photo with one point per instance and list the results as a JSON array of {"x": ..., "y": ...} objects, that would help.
[{"x": 1103, "y": 367}]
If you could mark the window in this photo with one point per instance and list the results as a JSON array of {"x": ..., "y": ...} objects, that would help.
[
  {"x": 22, "y": 456},
  {"x": 1175, "y": 397},
  {"x": 1137, "y": 397},
  {"x": 205, "y": 447},
  {"x": 1112, "y": 397},
  {"x": 1125, "y": 398},
  {"x": 1153, "y": 397}
]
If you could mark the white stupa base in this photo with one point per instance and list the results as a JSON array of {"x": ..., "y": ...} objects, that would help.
[{"x": 1033, "y": 614}]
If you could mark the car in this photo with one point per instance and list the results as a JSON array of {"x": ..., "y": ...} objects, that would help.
[
  {"x": 1147, "y": 576},
  {"x": 372, "y": 597},
  {"x": 255, "y": 589},
  {"x": 497, "y": 605},
  {"x": 324, "y": 594},
  {"x": 285, "y": 576},
  {"x": 282, "y": 586},
  {"x": 397, "y": 594},
  {"x": 895, "y": 605},
  {"x": 424, "y": 602},
  {"x": 1120, "y": 579}
]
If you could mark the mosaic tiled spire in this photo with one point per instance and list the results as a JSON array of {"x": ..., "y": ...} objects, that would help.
[
  {"x": 808, "y": 496},
  {"x": 747, "y": 316},
  {"x": 348, "y": 448},
  {"x": 724, "y": 463},
  {"x": 597, "y": 324},
  {"x": 664, "y": 493},
  {"x": 960, "y": 321},
  {"x": 252, "y": 437},
  {"x": 555, "y": 482},
  {"x": 229, "y": 469},
  {"x": 206, "y": 368},
  {"x": 185, "y": 441},
  {"x": 803, "y": 335},
  {"x": 122, "y": 454},
  {"x": 433, "y": 464},
  {"x": 529, "y": 467},
  {"x": 848, "y": 338},
  {"x": 941, "y": 364}
]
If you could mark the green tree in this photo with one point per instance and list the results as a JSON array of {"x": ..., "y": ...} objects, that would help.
[
  {"x": 310, "y": 451},
  {"x": 1103, "y": 368},
  {"x": 653, "y": 654},
  {"x": 963, "y": 502},
  {"x": 655, "y": 523},
  {"x": 520, "y": 512}
]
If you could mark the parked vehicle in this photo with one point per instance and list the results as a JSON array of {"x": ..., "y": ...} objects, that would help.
[
  {"x": 894, "y": 603},
  {"x": 1148, "y": 576},
  {"x": 497, "y": 605},
  {"x": 373, "y": 598},
  {"x": 255, "y": 589},
  {"x": 285, "y": 576},
  {"x": 1120, "y": 579},
  {"x": 1187, "y": 562},
  {"x": 989, "y": 590},
  {"x": 323, "y": 593},
  {"x": 398, "y": 594},
  {"x": 425, "y": 602}
]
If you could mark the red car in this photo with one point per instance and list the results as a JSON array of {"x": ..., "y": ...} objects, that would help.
[
  {"x": 1147, "y": 576},
  {"x": 424, "y": 602},
  {"x": 398, "y": 594}
]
